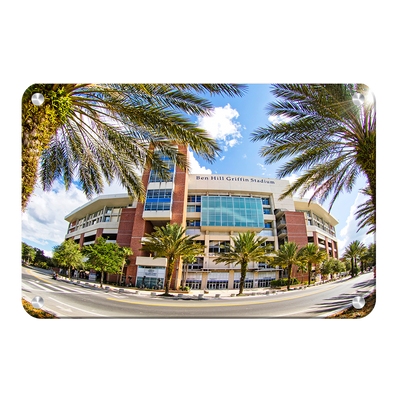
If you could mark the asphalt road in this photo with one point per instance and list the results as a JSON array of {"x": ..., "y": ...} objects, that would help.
[{"x": 70, "y": 301}]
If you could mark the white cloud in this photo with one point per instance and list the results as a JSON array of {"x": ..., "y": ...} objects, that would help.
[
  {"x": 349, "y": 233},
  {"x": 263, "y": 167},
  {"x": 220, "y": 125},
  {"x": 194, "y": 166},
  {"x": 222, "y": 158},
  {"x": 43, "y": 221},
  {"x": 48, "y": 253}
]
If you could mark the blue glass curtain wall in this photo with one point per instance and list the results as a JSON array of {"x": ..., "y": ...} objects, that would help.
[{"x": 232, "y": 211}]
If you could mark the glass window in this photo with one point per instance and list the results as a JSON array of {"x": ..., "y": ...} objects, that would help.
[
  {"x": 170, "y": 166},
  {"x": 215, "y": 246},
  {"x": 231, "y": 211},
  {"x": 158, "y": 200}
]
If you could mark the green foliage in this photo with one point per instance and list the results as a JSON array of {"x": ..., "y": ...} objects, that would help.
[
  {"x": 311, "y": 254},
  {"x": 246, "y": 248},
  {"x": 34, "y": 312},
  {"x": 328, "y": 139},
  {"x": 103, "y": 257},
  {"x": 98, "y": 132},
  {"x": 28, "y": 253},
  {"x": 353, "y": 253},
  {"x": 366, "y": 212},
  {"x": 284, "y": 282},
  {"x": 126, "y": 252},
  {"x": 169, "y": 242},
  {"x": 332, "y": 266},
  {"x": 39, "y": 124},
  {"x": 68, "y": 255},
  {"x": 287, "y": 256}
]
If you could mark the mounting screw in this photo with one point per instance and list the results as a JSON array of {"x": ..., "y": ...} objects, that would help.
[
  {"x": 37, "y": 302},
  {"x": 37, "y": 99},
  {"x": 358, "y": 99},
  {"x": 358, "y": 302}
]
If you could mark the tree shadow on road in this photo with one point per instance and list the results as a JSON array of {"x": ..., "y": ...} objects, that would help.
[{"x": 333, "y": 304}]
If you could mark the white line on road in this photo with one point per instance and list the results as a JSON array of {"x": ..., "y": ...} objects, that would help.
[
  {"x": 40, "y": 286},
  {"x": 68, "y": 289},
  {"x": 65, "y": 309},
  {"x": 26, "y": 287},
  {"x": 89, "y": 312}
]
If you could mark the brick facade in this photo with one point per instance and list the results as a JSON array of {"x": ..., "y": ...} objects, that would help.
[
  {"x": 132, "y": 227},
  {"x": 178, "y": 216},
  {"x": 297, "y": 232}
]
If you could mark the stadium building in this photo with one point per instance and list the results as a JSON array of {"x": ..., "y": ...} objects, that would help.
[{"x": 215, "y": 207}]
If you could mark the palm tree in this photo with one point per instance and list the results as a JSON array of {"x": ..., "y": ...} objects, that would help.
[
  {"x": 366, "y": 212},
  {"x": 246, "y": 248},
  {"x": 330, "y": 140},
  {"x": 287, "y": 256},
  {"x": 126, "y": 252},
  {"x": 312, "y": 255},
  {"x": 190, "y": 257},
  {"x": 302, "y": 268},
  {"x": 353, "y": 252},
  {"x": 169, "y": 242},
  {"x": 97, "y": 132}
]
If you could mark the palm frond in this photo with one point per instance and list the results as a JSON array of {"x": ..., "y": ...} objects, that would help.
[
  {"x": 326, "y": 137},
  {"x": 102, "y": 132}
]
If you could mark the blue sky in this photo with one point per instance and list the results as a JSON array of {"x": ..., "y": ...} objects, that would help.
[{"x": 231, "y": 124}]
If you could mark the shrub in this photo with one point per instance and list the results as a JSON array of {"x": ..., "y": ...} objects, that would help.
[
  {"x": 37, "y": 313},
  {"x": 284, "y": 282}
]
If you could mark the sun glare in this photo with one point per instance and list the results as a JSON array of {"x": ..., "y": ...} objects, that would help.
[{"x": 369, "y": 97}]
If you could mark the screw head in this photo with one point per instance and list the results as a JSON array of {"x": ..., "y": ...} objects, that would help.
[
  {"x": 358, "y": 302},
  {"x": 358, "y": 99},
  {"x": 37, "y": 302},
  {"x": 37, "y": 99}
]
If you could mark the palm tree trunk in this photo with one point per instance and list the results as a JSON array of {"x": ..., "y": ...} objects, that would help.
[
  {"x": 185, "y": 275},
  {"x": 122, "y": 271},
  {"x": 309, "y": 274},
  {"x": 289, "y": 274},
  {"x": 170, "y": 270},
  {"x": 243, "y": 272}
]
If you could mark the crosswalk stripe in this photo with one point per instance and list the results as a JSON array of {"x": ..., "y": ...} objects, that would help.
[
  {"x": 57, "y": 288},
  {"x": 46, "y": 287},
  {"x": 40, "y": 286}
]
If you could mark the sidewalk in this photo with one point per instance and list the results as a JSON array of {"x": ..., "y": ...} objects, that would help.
[
  {"x": 198, "y": 294},
  {"x": 195, "y": 293},
  {"x": 151, "y": 293}
]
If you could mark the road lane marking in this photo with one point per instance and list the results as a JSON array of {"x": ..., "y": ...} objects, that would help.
[
  {"x": 31, "y": 273},
  {"x": 65, "y": 309},
  {"x": 44, "y": 280},
  {"x": 40, "y": 286},
  {"x": 68, "y": 305},
  {"x": 26, "y": 287},
  {"x": 218, "y": 305}
]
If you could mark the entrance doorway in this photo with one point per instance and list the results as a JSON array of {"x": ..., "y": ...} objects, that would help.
[
  {"x": 214, "y": 285},
  {"x": 150, "y": 277}
]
